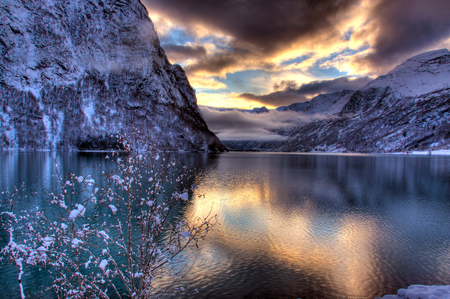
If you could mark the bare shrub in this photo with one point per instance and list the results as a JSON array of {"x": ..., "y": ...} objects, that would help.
[{"x": 112, "y": 238}]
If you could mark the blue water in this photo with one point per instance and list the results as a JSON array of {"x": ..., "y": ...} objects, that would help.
[{"x": 296, "y": 225}]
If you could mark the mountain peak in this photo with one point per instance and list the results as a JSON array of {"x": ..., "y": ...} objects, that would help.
[
  {"x": 423, "y": 62},
  {"x": 430, "y": 55}
]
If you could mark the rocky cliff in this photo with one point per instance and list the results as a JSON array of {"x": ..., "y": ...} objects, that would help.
[
  {"x": 406, "y": 109},
  {"x": 75, "y": 73}
]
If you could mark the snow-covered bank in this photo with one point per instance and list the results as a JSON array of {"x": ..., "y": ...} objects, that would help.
[
  {"x": 442, "y": 152},
  {"x": 418, "y": 291}
]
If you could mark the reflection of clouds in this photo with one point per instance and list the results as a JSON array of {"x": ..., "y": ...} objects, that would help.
[
  {"x": 337, "y": 250},
  {"x": 355, "y": 224},
  {"x": 340, "y": 219}
]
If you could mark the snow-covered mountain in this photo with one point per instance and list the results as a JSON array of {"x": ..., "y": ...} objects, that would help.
[
  {"x": 404, "y": 110},
  {"x": 75, "y": 73},
  {"x": 324, "y": 104}
]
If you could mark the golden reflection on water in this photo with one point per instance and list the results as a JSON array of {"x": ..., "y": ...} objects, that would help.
[{"x": 337, "y": 250}]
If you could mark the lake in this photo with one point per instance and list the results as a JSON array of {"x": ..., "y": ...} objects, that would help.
[{"x": 296, "y": 225}]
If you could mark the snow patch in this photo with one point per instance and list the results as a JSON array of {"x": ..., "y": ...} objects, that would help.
[
  {"x": 103, "y": 264},
  {"x": 76, "y": 242},
  {"x": 113, "y": 209},
  {"x": 103, "y": 234},
  {"x": 418, "y": 291},
  {"x": 79, "y": 211},
  {"x": 88, "y": 109},
  {"x": 184, "y": 196},
  {"x": 47, "y": 241},
  {"x": 186, "y": 234}
]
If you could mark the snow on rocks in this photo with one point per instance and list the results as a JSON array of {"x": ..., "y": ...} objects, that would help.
[{"x": 422, "y": 292}]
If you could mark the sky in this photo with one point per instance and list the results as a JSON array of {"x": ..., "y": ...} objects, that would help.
[{"x": 252, "y": 53}]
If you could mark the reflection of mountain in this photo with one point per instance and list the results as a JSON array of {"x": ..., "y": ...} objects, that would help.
[
  {"x": 326, "y": 226},
  {"x": 73, "y": 74},
  {"x": 406, "y": 109},
  {"x": 251, "y": 145}
]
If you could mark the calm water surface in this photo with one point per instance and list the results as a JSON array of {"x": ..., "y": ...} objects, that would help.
[{"x": 300, "y": 225}]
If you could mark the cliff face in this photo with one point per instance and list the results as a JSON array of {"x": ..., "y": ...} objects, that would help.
[
  {"x": 75, "y": 73},
  {"x": 406, "y": 109}
]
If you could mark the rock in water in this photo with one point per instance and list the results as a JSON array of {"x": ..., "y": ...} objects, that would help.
[{"x": 73, "y": 74}]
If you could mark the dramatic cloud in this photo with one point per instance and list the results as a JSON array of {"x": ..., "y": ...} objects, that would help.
[
  {"x": 234, "y": 51},
  {"x": 405, "y": 28},
  {"x": 257, "y": 30},
  {"x": 288, "y": 92},
  {"x": 178, "y": 53},
  {"x": 214, "y": 64},
  {"x": 266, "y": 24}
]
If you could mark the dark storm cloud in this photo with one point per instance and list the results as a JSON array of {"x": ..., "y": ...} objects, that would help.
[
  {"x": 288, "y": 92},
  {"x": 179, "y": 53},
  {"x": 262, "y": 23},
  {"x": 262, "y": 27},
  {"x": 214, "y": 64},
  {"x": 406, "y": 28}
]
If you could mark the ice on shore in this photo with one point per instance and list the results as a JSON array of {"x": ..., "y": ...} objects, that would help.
[{"x": 418, "y": 291}]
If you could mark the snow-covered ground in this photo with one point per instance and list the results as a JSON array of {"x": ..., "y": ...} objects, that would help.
[
  {"x": 442, "y": 152},
  {"x": 418, "y": 291}
]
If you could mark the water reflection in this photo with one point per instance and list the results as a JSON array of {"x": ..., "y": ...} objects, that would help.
[
  {"x": 300, "y": 226},
  {"x": 324, "y": 226}
]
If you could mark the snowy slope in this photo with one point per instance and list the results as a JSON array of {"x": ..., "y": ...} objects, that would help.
[
  {"x": 422, "y": 74},
  {"x": 407, "y": 109},
  {"x": 324, "y": 104},
  {"x": 75, "y": 73}
]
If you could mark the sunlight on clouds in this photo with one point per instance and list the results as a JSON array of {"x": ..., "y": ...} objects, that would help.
[
  {"x": 213, "y": 51},
  {"x": 206, "y": 83},
  {"x": 356, "y": 32},
  {"x": 225, "y": 100},
  {"x": 162, "y": 25},
  {"x": 351, "y": 65}
]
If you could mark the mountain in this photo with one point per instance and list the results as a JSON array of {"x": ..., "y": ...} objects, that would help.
[
  {"x": 260, "y": 110},
  {"x": 252, "y": 145},
  {"x": 73, "y": 74},
  {"x": 324, "y": 104},
  {"x": 404, "y": 110}
]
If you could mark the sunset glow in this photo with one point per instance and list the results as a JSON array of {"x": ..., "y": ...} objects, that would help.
[{"x": 240, "y": 55}]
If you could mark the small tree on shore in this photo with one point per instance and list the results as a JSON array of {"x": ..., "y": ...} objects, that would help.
[{"x": 110, "y": 238}]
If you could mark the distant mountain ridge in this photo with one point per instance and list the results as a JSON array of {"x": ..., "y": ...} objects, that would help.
[
  {"x": 407, "y": 109},
  {"x": 325, "y": 104},
  {"x": 73, "y": 74}
]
